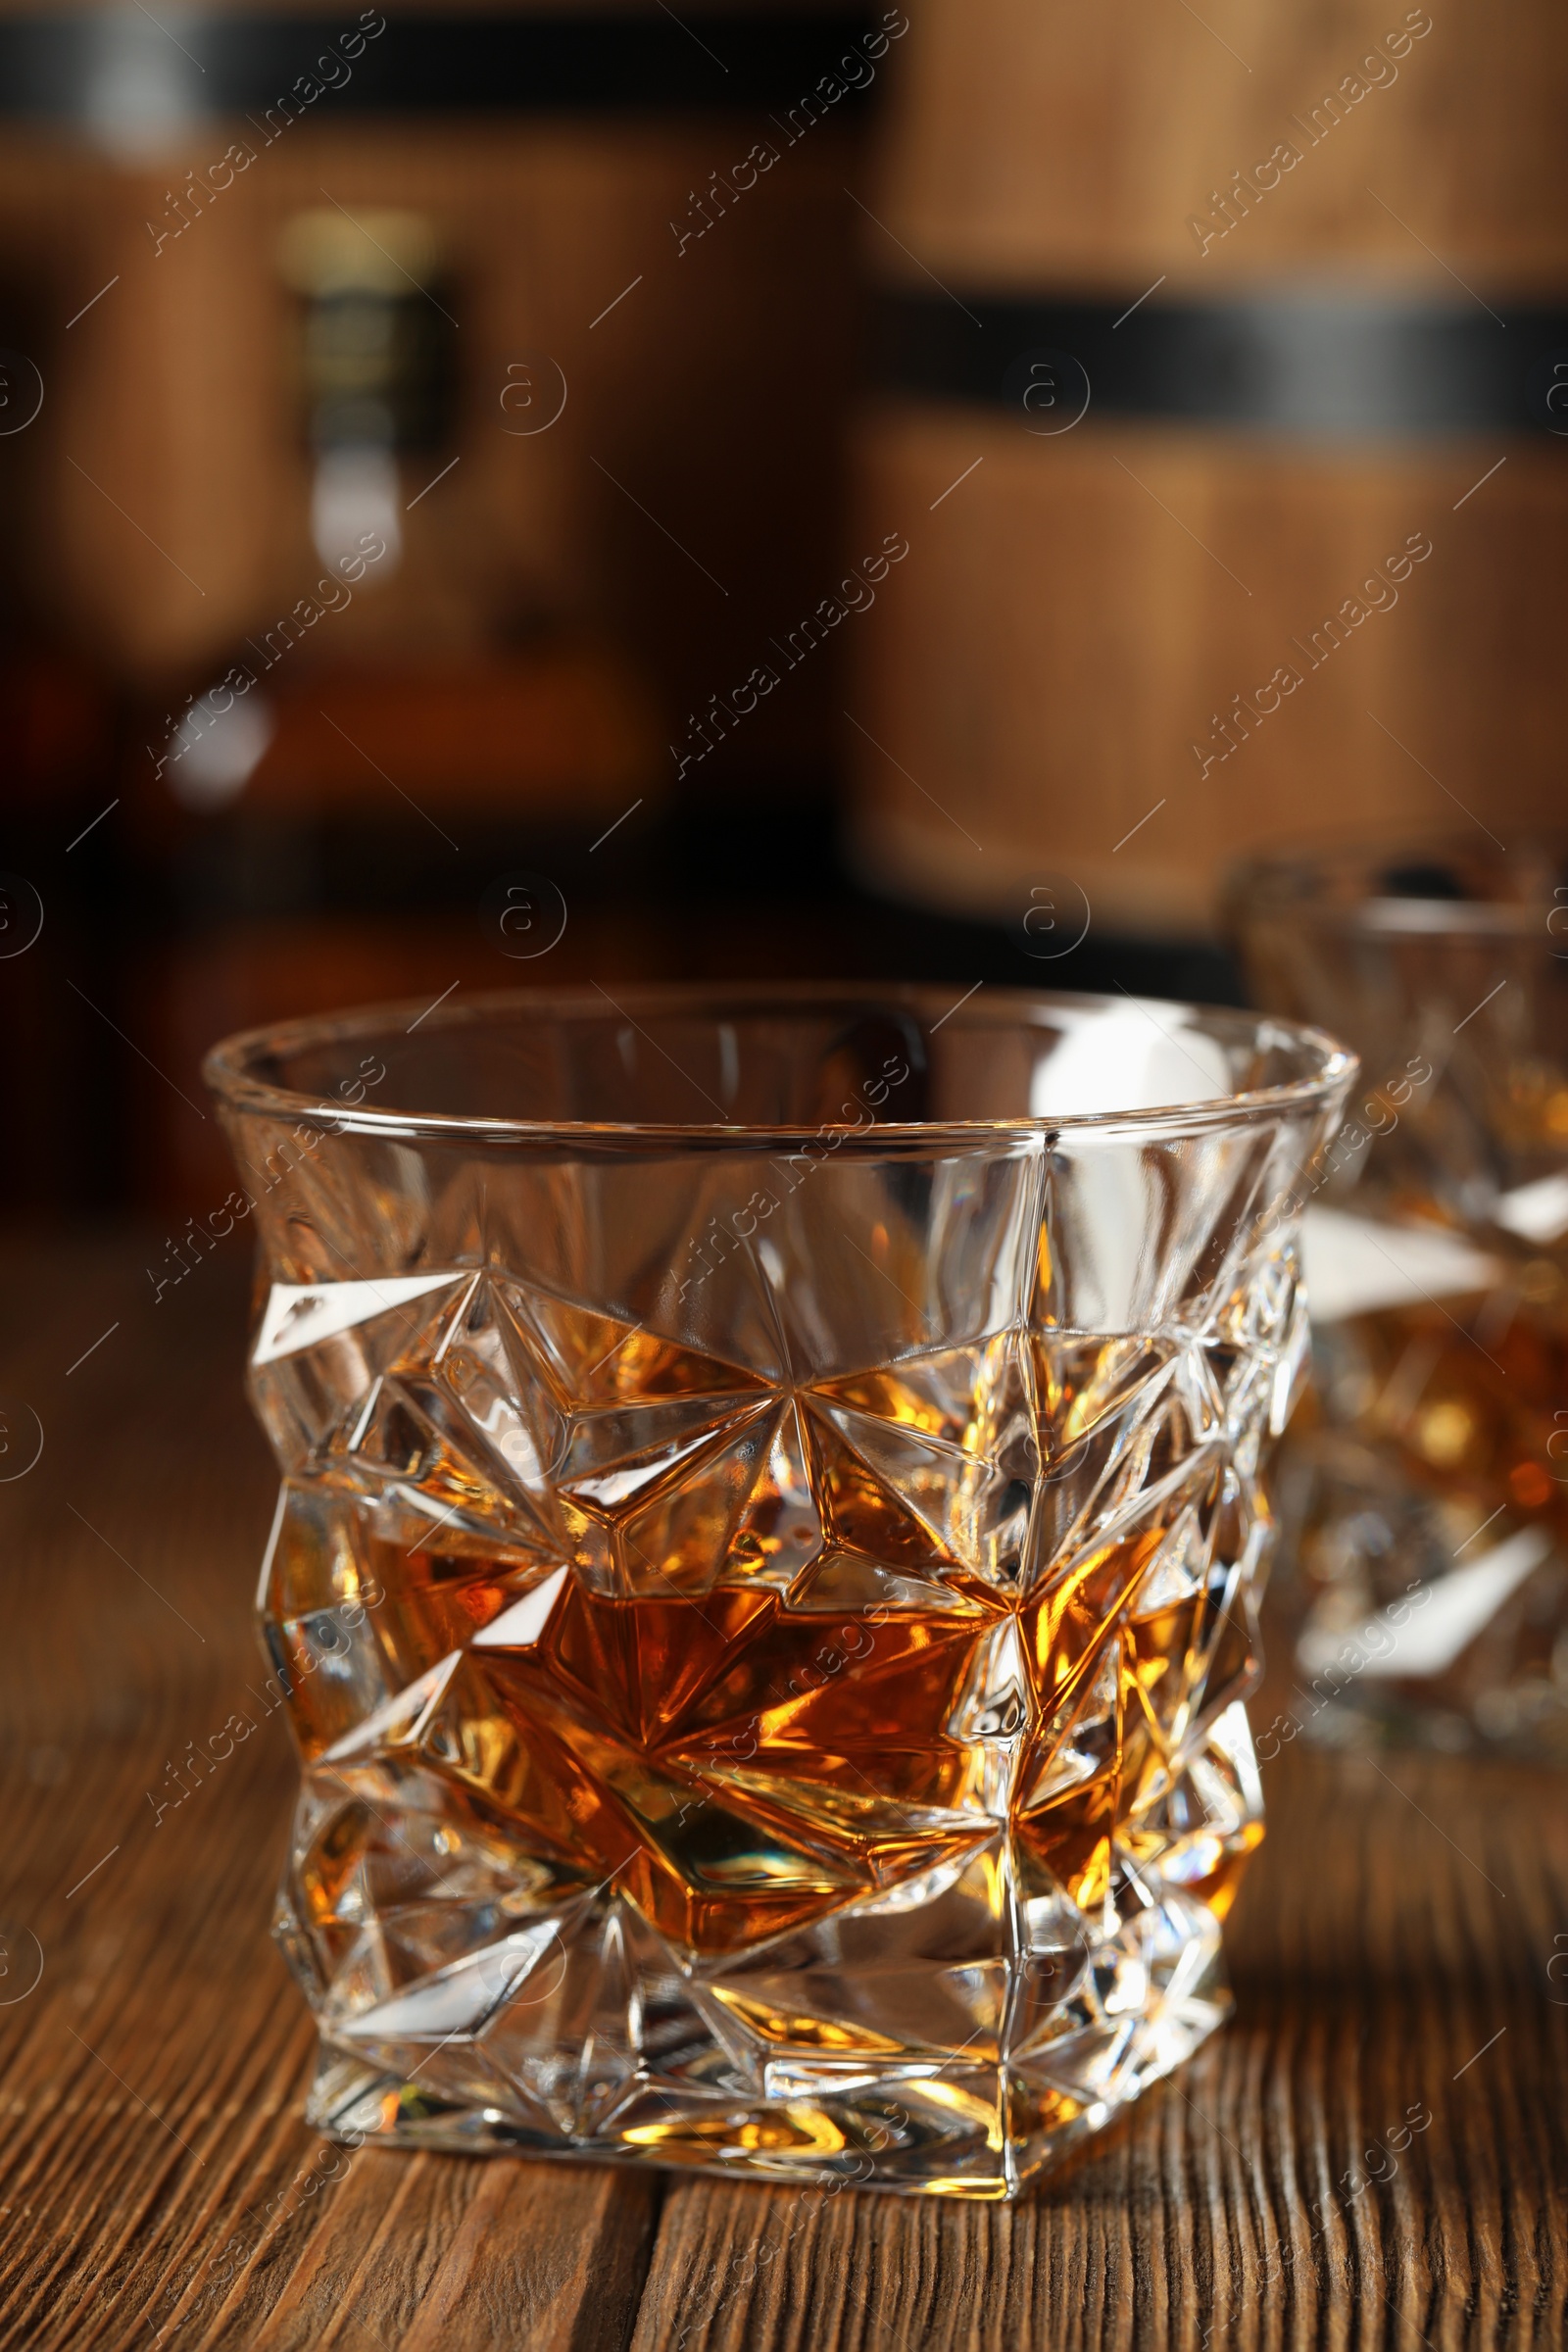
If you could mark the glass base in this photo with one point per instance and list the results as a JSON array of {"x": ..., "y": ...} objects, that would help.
[{"x": 960, "y": 2124}]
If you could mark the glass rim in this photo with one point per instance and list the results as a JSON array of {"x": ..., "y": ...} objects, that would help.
[
  {"x": 230, "y": 1073},
  {"x": 1292, "y": 879}
]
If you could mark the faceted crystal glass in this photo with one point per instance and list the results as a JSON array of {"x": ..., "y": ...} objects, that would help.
[
  {"x": 764, "y": 1576},
  {"x": 1426, "y": 1498}
]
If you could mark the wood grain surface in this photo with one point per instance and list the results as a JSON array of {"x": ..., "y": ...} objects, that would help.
[
  {"x": 1036, "y": 143},
  {"x": 1391, "y": 1956}
]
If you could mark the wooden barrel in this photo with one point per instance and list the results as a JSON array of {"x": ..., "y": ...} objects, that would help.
[{"x": 1223, "y": 360}]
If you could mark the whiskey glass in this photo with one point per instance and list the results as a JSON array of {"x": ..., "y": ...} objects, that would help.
[
  {"x": 764, "y": 1577},
  {"x": 1424, "y": 1491}
]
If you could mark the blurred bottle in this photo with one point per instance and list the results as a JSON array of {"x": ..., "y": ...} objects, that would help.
[
  {"x": 378, "y": 369},
  {"x": 328, "y": 803}
]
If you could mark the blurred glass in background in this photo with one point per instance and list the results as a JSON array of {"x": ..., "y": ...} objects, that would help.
[{"x": 1425, "y": 1500}]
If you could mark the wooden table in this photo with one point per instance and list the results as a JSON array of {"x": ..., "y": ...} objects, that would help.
[{"x": 1391, "y": 1956}]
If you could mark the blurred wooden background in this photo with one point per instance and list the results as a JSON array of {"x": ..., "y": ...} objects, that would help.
[
  {"x": 1063, "y": 685},
  {"x": 503, "y": 689}
]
